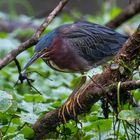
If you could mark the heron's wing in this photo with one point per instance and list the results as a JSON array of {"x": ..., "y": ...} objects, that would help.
[{"x": 93, "y": 41}]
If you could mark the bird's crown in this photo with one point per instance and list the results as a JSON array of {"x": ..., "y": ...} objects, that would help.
[{"x": 45, "y": 41}]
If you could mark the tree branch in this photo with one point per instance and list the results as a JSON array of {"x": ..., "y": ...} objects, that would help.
[
  {"x": 42, "y": 126},
  {"x": 126, "y": 14},
  {"x": 32, "y": 41}
]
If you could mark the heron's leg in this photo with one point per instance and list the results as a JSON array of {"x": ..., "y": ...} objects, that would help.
[
  {"x": 95, "y": 82},
  {"x": 84, "y": 88},
  {"x": 80, "y": 91},
  {"x": 77, "y": 96},
  {"x": 69, "y": 104}
]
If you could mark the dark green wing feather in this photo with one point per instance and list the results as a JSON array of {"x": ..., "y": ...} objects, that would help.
[{"x": 93, "y": 41}]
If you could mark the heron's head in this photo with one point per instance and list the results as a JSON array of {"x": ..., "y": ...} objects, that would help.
[{"x": 41, "y": 48}]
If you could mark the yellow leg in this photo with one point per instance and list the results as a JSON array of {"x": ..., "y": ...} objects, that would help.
[
  {"x": 73, "y": 110},
  {"x": 78, "y": 96},
  {"x": 89, "y": 82},
  {"x": 74, "y": 94},
  {"x": 66, "y": 106},
  {"x": 61, "y": 111},
  {"x": 63, "y": 114},
  {"x": 77, "y": 100},
  {"x": 69, "y": 104}
]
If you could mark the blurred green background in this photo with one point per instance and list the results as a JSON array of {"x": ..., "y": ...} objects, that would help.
[{"x": 21, "y": 104}]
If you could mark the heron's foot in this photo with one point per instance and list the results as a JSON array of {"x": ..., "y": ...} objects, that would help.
[
  {"x": 69, "y": 106},
  {"x": 66, "y": 110}
]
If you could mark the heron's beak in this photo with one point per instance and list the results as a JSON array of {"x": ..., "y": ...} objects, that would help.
[{"x": 34, "y": 58}]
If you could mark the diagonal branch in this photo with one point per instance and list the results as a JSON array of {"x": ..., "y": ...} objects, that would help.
[
  {"x": 126, "y": 14},
  {"x": 32, "y": 41},
  {"x": 42, "y": 126}
]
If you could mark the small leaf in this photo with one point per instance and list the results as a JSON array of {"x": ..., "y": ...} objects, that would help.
[
  {"x": 115, "y": 11},
  {"x": 40, "y": 107},
  {"x": 28, "y": 117},
  {"x": 35, "y": 98},
  {"x": 4, "y": 94},
  {"x": 99, "y": 125},
  {"x": 26, "y": 106},
  {"x": 137, "y": 110},
  {"x": 127, "y": 115},
  {"x": 5, "y": 101},
  {"x": 18, "y": 137},
  {"x": 87, "y": 137},
  {"x": 11, "y": 129},
  {"x": 3, "y": 35},
  {"x": 75, "y": 81},
  {"x": 13, "y": 107},
  {"x": 28, "y": 132},
  {"x": 9, "y": 136}
]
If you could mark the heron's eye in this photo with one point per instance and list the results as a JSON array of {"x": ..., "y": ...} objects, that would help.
[{"x": 43, "y": 50}]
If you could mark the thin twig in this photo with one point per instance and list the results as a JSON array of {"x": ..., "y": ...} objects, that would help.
[
  {"x": 29, "y": 83},
  {"x": 134, "y": 128},
  {"x": 19, "y": 71},
  {"x": 8, "y": 125}
]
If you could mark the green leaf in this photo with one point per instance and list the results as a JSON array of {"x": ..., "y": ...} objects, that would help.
[
  {"x": 18, "y": 137},
  {"x": 127, "y": 115},
  {"x": 99, "y": 125},
  {"x": 23, "y": 33},
  {"x": 40, "y": 107},
  {"x": 5, "y": 101},
  {"x": 35, "y": 98},
  {"x": 137, "y": 110},
  {"x": 27, "y": 131},
  {"x": 13, "y": 107},
  {"x": 9, "y": 136},
  {"x": 75, "y": 82},
  {"x": 69, "y": 128},
  {"x": 28, "y": 117},
  {"x": 11, "y": 129},
  {"x": 4, "y": 94},
  {"x": 115, "y": 11},
  {"x": 136, "y": 94},
  {"x": 4, "y": 118},
  {"x": 3, "y": 35},
  {"x": 26, "y": 106},
  {"x": 87, "y": 137}
]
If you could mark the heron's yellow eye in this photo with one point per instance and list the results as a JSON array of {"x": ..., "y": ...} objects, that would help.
[{"x": 43, "y": 50}]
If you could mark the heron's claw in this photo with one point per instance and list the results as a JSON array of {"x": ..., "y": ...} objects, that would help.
[{"x": 69, "y": 106}]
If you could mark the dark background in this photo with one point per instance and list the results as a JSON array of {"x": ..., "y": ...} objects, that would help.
[{"x": 42, "y": 7}]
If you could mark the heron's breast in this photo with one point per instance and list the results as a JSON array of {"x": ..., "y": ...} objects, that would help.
[{"x": 55, "y": 66}]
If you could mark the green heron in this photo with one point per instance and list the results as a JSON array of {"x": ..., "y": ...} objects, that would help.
[{"x": 78, "y": 47}]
